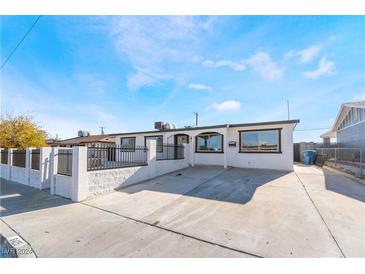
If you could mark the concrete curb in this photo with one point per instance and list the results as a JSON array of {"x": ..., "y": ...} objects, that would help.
[
  {"x": 12, "y": 245},
  {"x": 358, "y": 180}
]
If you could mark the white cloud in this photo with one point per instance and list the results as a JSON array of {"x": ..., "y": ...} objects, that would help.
[
  {"x": 260, "y": 62},
  {"x": 153, "y": 43},
  {"x": 226, "y": 105},
  {"x": 237, "y": 66},
  {"x": 263, "y": 65},
  {"x": 200, "y": 87},
  {"x": 325, "y": 68},
  {"x": 305, "y": 55}
]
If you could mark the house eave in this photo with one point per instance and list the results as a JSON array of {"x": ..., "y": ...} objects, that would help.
[{"x": 210, "y": 127}]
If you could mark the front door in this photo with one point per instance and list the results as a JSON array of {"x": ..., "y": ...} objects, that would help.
[{"x": 179, "y": 141}]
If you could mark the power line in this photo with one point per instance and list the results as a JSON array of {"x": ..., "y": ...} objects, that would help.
[
  {"x": 21, "y": 41},
  {"x": 304, "y": 129}
]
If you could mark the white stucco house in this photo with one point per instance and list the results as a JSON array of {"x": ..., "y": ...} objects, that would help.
[{"x": 266, "y": 145}]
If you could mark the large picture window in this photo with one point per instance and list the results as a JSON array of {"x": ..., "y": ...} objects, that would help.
[
  {"x": 128, "y": 143},
  {"x": 159, "y": 142},
  {"x": 210, "y": 142},
  {"x": 261, "y": 141}
]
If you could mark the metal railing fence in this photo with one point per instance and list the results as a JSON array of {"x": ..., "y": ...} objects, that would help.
[
  {"x": 19, "y": 158},
  {"x": 170, "y": 152},
  {"x": 35, "y": 159},
  {"x": 4, "y": 156},
  {"x": 64, "y": 162},
  {"x": 101, "y": 157}
]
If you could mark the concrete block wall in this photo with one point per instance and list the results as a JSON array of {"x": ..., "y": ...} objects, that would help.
[
  {"x": 102, "y": 181},
  {"x": 84, "y": 184}
]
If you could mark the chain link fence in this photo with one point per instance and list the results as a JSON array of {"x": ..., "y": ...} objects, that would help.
[{"x": 350, "y": 160}]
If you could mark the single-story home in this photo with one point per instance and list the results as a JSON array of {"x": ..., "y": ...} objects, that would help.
[{"x": 267, "y": 145}]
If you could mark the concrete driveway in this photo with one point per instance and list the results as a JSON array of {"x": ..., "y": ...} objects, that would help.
[{"x": 199, "y": 212}]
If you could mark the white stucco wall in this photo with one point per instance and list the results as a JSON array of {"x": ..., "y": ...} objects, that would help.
[
  {"x": 34, "y": 179},
  {"x": 167, "y": 166},
  {"x": 281, "y": 161},
  {"x": 4, "y": 169},
  {"x": 63, "y": 185},
  {"x": 231, "y": 155},
  {"x": 45, "y": 162},
  {"x": 19, "y": 175}
]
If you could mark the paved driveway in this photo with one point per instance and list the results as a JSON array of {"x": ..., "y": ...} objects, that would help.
[{"x": 202, "y": 212}]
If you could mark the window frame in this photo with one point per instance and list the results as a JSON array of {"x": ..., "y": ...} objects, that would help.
[
  {"x": 149, "y": 136},
  {"x": 128, "y": 149},
  {"x": 258, "y": 151},
  {"x": 209, "y": 133}
]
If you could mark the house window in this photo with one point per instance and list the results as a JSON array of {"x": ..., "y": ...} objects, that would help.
[
  {"x": 159, "y": 142},
  {"x": 128, "y": 143},
  {"x": 210, "y": 142},
  {"x": 261, "y": 141}
]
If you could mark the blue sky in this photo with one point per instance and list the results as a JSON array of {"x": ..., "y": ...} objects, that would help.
[{"x": 124, "y": 73}]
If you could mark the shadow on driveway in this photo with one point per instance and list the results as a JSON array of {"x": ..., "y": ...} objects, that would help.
[
  {"x": 232, "y": 185},
  {"x": 17, "y": 198},
  {"x": 343, "y": 185}
]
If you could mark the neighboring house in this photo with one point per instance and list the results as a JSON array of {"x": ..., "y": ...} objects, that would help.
[
  {"x": 349, "y": 126},
  {"x": 91, "y": 140},
  {"x": 52, "y": 142},
  {"x": 267, "y": 145}
]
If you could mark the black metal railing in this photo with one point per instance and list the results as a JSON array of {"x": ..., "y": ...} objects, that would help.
[
  {"x": 19, "y": 158},
  {"x": 34, "y": 163},
  {"x": 64, "y": 162},
  {"x": 4, "y": 156},
  {"x": 170, "y": 152},
  {"x": 111, "y": 156}
]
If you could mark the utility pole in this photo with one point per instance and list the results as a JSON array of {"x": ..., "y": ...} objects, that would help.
[
  {"x": 196, "y": 119},
  {"x": 102, "y": 130},
  {"x": 287, "y": 105}
]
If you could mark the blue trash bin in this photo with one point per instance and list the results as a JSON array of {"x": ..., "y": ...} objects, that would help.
[{"x": 309, "y": 157}]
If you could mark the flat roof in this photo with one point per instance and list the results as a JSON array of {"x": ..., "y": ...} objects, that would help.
[
  {"x": 210, "y": 127},
  {"x": 106, "y": 138}
]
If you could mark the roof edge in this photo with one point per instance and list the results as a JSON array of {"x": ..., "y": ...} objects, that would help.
[{"x": 296, "y": 121}]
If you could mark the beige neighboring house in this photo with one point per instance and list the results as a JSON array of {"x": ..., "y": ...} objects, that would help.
[{"x": 90, "y": 140}]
